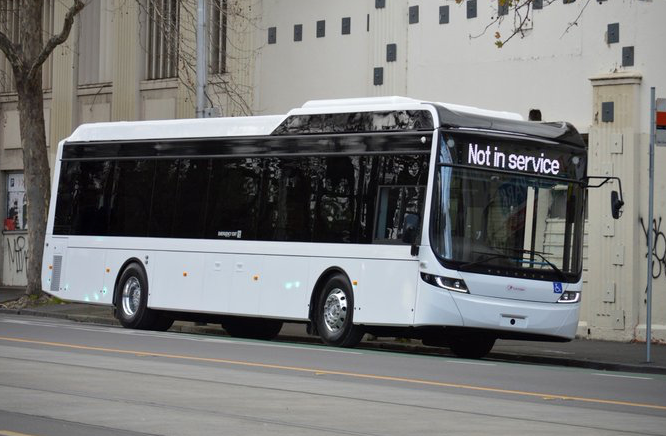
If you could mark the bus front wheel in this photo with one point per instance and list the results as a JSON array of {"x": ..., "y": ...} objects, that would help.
[
  {"x": 335, "y": 314},
  {"x": 132, "y": 302}
]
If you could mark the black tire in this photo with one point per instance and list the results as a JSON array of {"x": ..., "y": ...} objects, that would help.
[
  {"x": 132, "y": 301},
  {"x": 472, "y": 345},
  {"x": 335, "y": 314},
  {"x": 162, "y": 323},
  {"x": 252, "y": 328}
]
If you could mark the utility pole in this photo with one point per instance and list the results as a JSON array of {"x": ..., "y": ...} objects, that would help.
[
  {"x": 201, "y": 59},
  {"x": 648, "y": 321}
]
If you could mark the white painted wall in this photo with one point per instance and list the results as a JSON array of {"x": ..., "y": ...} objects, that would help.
[{"x": 548, "y": 68}]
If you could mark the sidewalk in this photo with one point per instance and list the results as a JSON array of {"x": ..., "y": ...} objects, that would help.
[{"x": 582, "y": 353}]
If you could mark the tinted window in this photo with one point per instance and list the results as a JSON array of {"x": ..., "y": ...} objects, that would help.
[
  {"x": 130, "y": 201},
  {"x": 234, "y": 198},
  {"x": 85, "y": 189},
  {"x": 340, "y": 200},
  {"x": 162, "y": 206},
  {"x": 190, "y": 201},
  {"x": 65, "y": 206},
  {"x": 286, "y": 205},
  {"x": 303, "y": 198},
  {"x": 395, "y": 203},
  {"x": 403, "y": 170}
]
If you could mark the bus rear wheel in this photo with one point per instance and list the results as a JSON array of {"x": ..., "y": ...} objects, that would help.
[
  {"x": 335, "y": 314},
  {"x": 472, "y": 345},
  {"x": 132, "y": 302},
  {"x": 252, "y": 328}
]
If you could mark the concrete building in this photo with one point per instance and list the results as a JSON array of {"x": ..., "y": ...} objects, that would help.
[{"x": 591, "y": 63}]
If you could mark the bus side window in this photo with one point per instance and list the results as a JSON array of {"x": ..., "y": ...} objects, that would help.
[{"x": 394, "y": 204}]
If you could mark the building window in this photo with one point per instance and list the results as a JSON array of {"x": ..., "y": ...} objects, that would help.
[
  {"x": 10, "y": 25},
  {"x": 218, "y": 36},
  {"x": 16, "y": 211},
  {"x": 162, "y": 38},
  {"x": 96, "y": 43}
]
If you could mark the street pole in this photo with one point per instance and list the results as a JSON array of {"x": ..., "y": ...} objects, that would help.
[
  {"x": 648, "y": 321},
  {"x": 201, "y": 59}
]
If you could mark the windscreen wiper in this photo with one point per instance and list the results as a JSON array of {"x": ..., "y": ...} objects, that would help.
[
  {"x": 490, "y": 256},
  {"x": 542, "y": 257}
]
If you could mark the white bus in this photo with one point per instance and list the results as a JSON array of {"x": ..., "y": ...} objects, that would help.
[{"x": 390, "y": 216}]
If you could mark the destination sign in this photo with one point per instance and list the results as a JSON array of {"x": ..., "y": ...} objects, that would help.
[
  {"x": 492, "y": 157},
  {"x": 543, "y": 158}
]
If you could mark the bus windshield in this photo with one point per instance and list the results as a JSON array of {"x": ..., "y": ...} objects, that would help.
[{"x": 507, "y": 223}]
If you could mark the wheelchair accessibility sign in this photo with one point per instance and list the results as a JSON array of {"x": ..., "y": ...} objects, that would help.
[{"x": 557, "y": 287}]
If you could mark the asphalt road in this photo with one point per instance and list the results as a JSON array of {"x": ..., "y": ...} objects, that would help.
[{"x": 63, "y": 378}]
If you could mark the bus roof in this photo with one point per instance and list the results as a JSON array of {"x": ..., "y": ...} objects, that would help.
[
  {"x": 181, "y": 128},
  {"x": 451, "y": 116}
]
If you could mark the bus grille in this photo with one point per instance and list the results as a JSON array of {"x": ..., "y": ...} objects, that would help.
[{"x": 55, "y": 277}]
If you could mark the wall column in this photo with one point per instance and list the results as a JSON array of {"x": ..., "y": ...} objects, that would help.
[
  {"x": 64, "y": 86},
  {"x": 613, "y": 295},
  {"x": 128, "y": 67}
]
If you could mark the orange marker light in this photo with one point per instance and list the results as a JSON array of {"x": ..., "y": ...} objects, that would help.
[
  {"x": 108, "y": 270},
  {"x": 50, "y": 266},
  {"x": 355, "y": 283},
  {"x": 184, "y": 274},
  {"x": 255, "y": 278}
]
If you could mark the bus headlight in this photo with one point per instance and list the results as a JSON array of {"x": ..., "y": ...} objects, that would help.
[
  {"x": 569, "y": 297},
  {"x": 455, "y": 285}
]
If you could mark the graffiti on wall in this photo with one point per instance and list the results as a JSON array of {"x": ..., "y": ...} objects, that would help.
[
  {"x": 15, "y": 260},
  {"x": 658, "y": 250}
]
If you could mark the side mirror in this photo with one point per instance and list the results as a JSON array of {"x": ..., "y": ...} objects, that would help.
[
  {"x": 616, "y": 205},
  {"x": 410, "y": 228}
]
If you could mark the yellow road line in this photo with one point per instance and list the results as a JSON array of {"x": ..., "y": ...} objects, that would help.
[
  {"x": 12, "y": 433},
  {"x": 317, "y": 371}
]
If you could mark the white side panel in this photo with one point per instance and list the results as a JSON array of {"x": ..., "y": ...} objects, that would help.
[
  {"x": 386, "y": 293},
  {"x": 50, "y": 271},
  {"x": 217, "y": 288},
  {"x": 84, "y": 276},
  {"x": 285, "y": 287},
  {"x": 247, "y": 282},
  {"x": 177, "y": 281}
]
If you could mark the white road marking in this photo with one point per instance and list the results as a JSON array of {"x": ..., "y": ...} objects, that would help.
[
  {"x": 467, "y": 362},
  {"x": 622, "y": 376}
]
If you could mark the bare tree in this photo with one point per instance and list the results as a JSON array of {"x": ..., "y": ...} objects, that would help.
[
  {"x": 519, "y": 11},
  {"x": 229, "y": 24},
  {"x": 26, "y": 55}
]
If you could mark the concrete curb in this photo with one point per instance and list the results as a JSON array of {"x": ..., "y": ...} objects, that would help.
[{"x": 378, "y": 345}]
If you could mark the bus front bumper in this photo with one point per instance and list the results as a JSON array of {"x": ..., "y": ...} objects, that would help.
[{"x": 516, "y": 317}]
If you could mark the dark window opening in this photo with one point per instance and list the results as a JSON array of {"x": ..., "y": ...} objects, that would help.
[{"x": 295, "y": 198}]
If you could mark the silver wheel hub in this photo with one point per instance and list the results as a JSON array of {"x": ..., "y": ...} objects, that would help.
[
  {"x": 335, "y": 310},
  {"x": 131, "y": 296}
]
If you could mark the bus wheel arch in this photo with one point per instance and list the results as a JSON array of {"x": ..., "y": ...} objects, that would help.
[
  {"x": 130, "y": 297},
  {"x": 316, "y": 292},
  {"x": 332, "y": 309},
  {"x": 121, "y": 270}
]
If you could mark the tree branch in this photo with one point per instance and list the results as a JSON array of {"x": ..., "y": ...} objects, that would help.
[
  {"x": 9, "y": 49},
  {"x": 575, "y": 22},
  {"x": 56, "y": 40}
]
